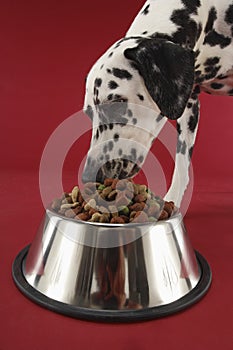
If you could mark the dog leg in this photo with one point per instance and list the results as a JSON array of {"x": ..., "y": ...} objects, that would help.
[{"x": 187, "y": 129}]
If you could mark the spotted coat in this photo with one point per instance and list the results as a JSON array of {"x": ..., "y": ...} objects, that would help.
[{"x": 173, "y": 50}]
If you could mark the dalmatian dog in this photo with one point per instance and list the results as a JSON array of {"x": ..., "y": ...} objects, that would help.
[{"x": 173, "y": 50}]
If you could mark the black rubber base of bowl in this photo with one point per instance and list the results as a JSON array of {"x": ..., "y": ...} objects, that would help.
[{"x": 112, "y": 315}]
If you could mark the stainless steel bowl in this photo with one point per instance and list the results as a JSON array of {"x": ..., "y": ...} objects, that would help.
[{"x": 120, "y": 272}]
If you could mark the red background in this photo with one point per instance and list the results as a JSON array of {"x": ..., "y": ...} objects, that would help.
[{"x": 47, "y": 48}]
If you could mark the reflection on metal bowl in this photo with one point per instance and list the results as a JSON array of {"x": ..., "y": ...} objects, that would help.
[{"x": 120, "y": 272}]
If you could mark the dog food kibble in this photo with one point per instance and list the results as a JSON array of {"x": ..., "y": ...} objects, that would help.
[{"x": 114, "y": 201}]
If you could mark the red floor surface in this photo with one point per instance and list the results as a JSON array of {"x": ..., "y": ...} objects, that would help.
[{"x": 47, "y": 49}]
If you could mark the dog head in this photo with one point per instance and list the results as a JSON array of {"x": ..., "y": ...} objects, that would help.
[{"x": 131, "y": 87}]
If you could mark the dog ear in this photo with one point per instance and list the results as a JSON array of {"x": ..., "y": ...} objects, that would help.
[{"x": 168, "y": 73}]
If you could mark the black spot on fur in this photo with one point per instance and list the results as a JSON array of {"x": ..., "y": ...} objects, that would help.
[
  {"x": 112, "y": 85},
  {"x": 121, "y": 73},
  {"x": 97, "y": 134},
  {"x": 211, "y": 19},
  {"x": 98, "y": 82},
  {"x": 110, "y": 55},
  {"x": 111, "y": 126},
  {"x": 229, "y": 17},
  {"x": 211, "y": 67},
  {"x": 222, "y": 76},
  {"x": 89, "y": 112},
  {"x": 211, "y": 61},
  {"x": 190, "y": 152},
  {"x": 213, "y": 73},
  {"x": 113, "y": 112},
  {"x": 187, "y": 32},
  {"x": 213, "y": 39},
  {"x": 192, "y": 5},
  {"x": 197, "y": 53},
  {"x": 116, "y": 137},
  {"x": 193, "y": 120},
  {"x": 110, "y": 145},
  {"x": 178, "y": 128},
  {"x": 189, "y": 105},
  {"x": 96, "y": 101},
  {"x": 130, "y": 113},
  {"x": 110, "y": 97},
  {"x": 195, "y": 92},
  {"x": 96, "y": 91},
  {"x": 144, "y": 33},
  {"x": 134, "y": 120},
  {"x": 146, "y": 10},
  {"x": 181, "y": 147},
  {"x": 123, "y": 174},
  {"x": 140, "y": 159},
  {"x": 105, "y": 149},
  {"x": 198, "y": 73},
  {"x": 101, "y": 128},
  {"x": 125, "y": 163},
  {"x": 140, "y": 97},
  {"x": 134, "y": 154},
  {"x": 216, "y": 86},
  {"x": 134, "y": 171},
  {"x": 160, "y": 117},
  {"x": 120, "y": 152}
]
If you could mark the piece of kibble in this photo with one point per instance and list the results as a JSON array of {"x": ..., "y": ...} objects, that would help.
[
  {"x": 141, "y": 197},
  {"x": 142, "y": 188},
  {"x": 123, "y": 210},
  {"x": 104, "y": 218},
  {"x": 117, "y": 220},
  {"x": 125, "y": 218},
  {"x": 106, "y": 191},
  {"x": 115, "y": 201},
  {"x": 108, "y": 182},
  {"x": 132, "y": 214},
  {"x": 164, "y": 215},
  {"x": 140, "y": 217},
  {"x": 137, "y": 206},
  {"x": 67, "y": 205},
  {"x": 113, "y": 210},
  {"x": 90, "y": 205},
  {"x": 67, "y": 200},
  {"x": 74, "y": 194},
  {"x": 168, "y": 208},
  {"x": 112, "y": 195},
  {"x": 154, "y": 209},
  {"x": 121, "y": 199},
  {"x": 96, "y": 217},
  {"x": 82, "y": 216},
  {"x": 114, "y": 184},
  {"x": 70, "y": 213}
]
